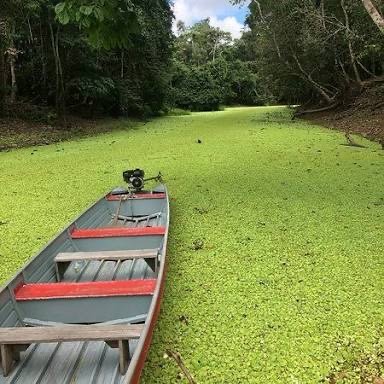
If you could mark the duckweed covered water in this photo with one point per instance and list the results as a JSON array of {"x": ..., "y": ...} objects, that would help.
[{"x": 276, "y": 253}]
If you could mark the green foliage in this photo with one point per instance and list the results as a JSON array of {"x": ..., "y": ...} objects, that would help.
[
  {"x": 108, "y": 24},
  {"x": 207, "y": 73},
  {"x": 196, "y": 89},
  {"x": 201, "y": 44},
  {"x": 178, "y": 112},
  {"x": 146, "y": 64},
  {"x": 313, "y": 52},
  {"x": 130, "y": 98},
  {"x": 97, "y": 91},
  {"x": 289, "y": 281},
  {"x": 357, "y": 363},
  {"x": 117, "y": 62}
]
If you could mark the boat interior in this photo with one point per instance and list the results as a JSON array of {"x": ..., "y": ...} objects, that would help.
[{"x": 100, "y": 271}]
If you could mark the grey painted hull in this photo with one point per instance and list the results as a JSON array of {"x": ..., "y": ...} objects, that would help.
[{"x": 90, "y": 362}]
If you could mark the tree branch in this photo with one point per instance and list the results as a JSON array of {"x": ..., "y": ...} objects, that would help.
[
  {"x": 377, "y": 18},
  {"x": 176, "y": 356},
  {"x": 348, "y": 37},
  {"x": 321, "y": 89}
]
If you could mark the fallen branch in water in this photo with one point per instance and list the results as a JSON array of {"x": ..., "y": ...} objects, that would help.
[
  {"x": 329, "y": 107},
  {"x": 177, "y": 357},
  {"x": 351, "y": 142}
]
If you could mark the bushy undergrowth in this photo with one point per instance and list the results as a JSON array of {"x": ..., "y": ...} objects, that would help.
[
  {"x": 276, "y": 243},
  {"x": 178, "y": 112}
]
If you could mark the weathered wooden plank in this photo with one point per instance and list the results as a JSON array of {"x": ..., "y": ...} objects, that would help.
[
  {"x": 123, "y": 355},
  {"x": 6, "y": 358},
  {"x": 26, "y": 335},
  {"x": 106, "y": 255}
]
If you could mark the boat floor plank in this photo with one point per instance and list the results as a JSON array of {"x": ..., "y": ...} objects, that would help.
[
  {"x": 82, "y": 272},
  {"x": 106, "y": 271},
  {"x": 63, "y": 362},
  {"x": 139, "y": 270},
  {"x": 90, "y": 271},
  {"x": 124, "y": 271},
  {"x": 77, "y": 263},
  {"x": 34, "y": 362},
  {"x": 88, "y": 364},
  {"x": 108, "y": 375}
]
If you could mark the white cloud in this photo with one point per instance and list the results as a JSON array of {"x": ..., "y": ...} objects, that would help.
[
  {"x": 191, "y": 11},
  {"x": 229, "y": 24}
]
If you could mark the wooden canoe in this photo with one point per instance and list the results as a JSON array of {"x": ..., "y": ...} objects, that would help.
[{"x": 83, "y": 310}]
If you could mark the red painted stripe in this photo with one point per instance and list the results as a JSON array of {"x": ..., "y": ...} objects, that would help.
[
  {"x": 116, "y": 232},
  {"x": 136, "y": 196},
  {"x": 86, "y": 289}
]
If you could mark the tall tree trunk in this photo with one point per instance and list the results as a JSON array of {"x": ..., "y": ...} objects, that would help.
[
  {"x": 345, "y": 74},
  {"x": 2, "y": 66},
  {"x": 12, "y": 60},
  {"x": 44, "y": 75},
  {"x": 376, "y": 16},
  {"x": 122, "y": 64},
  {"x": 348, "y": 34},
  {"x": 12, "y": 57},
  {"x": 2, "y": 81},
  {"x": 322, "y": 7},
  {"x": 61, "y": 79},
  {"x": 60, "y": 90}
]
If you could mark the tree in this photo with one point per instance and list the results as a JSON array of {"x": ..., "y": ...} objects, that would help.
[
  {"x": 2, "y": 65},
  {"x": 207, "y": 71},
  {"x": 201, "y": 43},
  {"x": 196, "y": 89},
  {"x": 104, "y": 58},
  {"x": 108, "y": 24},
  {"x": 376, "y": 16},
  {"x": 322, "y": 53}
]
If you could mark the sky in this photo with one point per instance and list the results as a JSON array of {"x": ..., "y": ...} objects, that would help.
[{"x": 221, "y": 13}]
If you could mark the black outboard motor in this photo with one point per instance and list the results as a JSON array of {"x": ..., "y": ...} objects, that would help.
[{"x": 135, "y": 179}]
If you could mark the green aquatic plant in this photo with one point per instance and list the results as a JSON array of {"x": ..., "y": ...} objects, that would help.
[{"x": 292, "y": 234}]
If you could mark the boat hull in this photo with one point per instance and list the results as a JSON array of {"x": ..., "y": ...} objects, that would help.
[{"x": 87, "y": 362}]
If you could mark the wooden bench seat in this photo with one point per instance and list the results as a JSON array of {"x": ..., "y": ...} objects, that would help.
[
  {"x": 14, "y": 340},
  {"x": 63, "y": 260},
  {"x": 94, "y": 233},
  {"x": 46, "y": 291}
]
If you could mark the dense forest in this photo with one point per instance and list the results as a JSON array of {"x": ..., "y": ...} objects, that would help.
[
  {"x": 121, "y": 57},
  {"x": 210, "y": 69},
  {"x": 316, "y": 52},
  {"x": 109, "y": 57}
]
